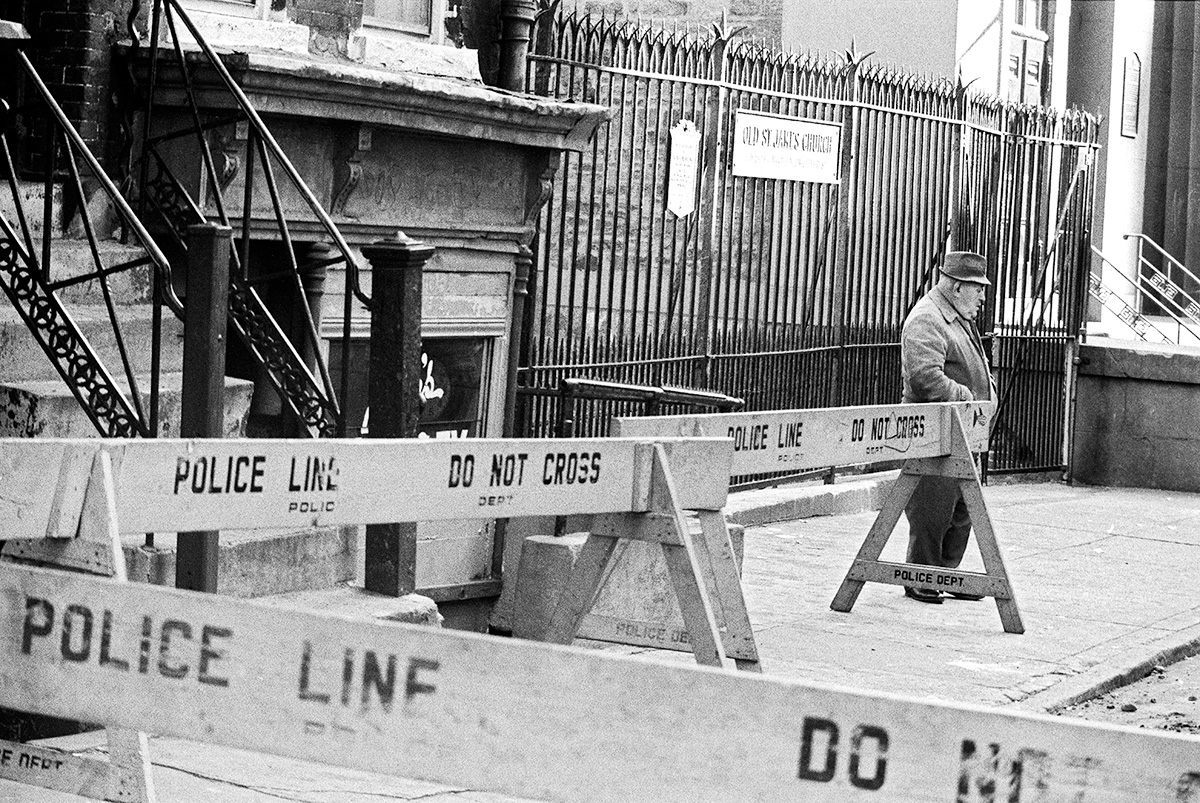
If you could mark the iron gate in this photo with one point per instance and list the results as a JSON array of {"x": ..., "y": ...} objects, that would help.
[{"x": 785, "y": 293}]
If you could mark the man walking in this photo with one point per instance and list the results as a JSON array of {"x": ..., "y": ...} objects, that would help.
[{"x": 942, "y": 360}]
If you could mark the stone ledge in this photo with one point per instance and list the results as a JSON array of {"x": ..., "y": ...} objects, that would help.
[
  {"x": 48, "y": 409},
  {"x": 788, "y": 503},
  {"x": 278, "y": 83},
  {"x": 1155, "y": 363}
]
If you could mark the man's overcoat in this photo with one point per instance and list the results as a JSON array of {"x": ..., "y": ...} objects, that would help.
[{"x": 943, "y": 359}]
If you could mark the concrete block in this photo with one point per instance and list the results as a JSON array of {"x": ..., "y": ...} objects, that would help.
[
  {"x": 47, "y": 408},
  {"x": 545, "y": 565},
  {"x": 638, "y": 585},
  {"x": 256, "y": 563},
  {"x": 353, "y": 602},
  {"x": 412, "y": 609},
  {"x": 516, "y": 531},
  {"x": 791, "y": 502}
]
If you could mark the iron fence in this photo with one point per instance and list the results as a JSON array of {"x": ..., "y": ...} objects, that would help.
[{"x": 793, "y": 293}]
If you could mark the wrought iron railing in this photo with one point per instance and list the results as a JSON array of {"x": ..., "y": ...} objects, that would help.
[
  {"x": 1166, "y": 284},
  {"x": 1115, "y": 301},
  {"x": 29, "y": 279},
  {"x": 793, "y": 293},
  {"x": 289, "y": 367}
]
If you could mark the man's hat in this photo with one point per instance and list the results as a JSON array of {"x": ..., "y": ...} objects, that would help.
[{"x": 966, "y": 266}]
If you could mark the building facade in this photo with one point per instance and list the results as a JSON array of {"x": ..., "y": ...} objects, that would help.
[
  {"x": 1133, "y": 62},
  {"x": 358, "y": 121}
]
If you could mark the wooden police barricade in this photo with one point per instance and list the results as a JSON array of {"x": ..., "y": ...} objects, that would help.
[
  {"x": 80, "y": 535},
  {"x": 156, "y": 485},
  {"x": 539, "y": 721},
  {"x": 933, "y": 439}
]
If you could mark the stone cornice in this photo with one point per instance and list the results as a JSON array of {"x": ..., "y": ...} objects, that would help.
[{"x": 285, "y": 84}]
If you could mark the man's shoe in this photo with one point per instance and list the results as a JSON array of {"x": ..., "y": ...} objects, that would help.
[
  {"x": 964, "y": 595},
  {"x": 923, "y": 595}
]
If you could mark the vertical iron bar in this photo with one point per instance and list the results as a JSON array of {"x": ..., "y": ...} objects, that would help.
[
  {"x": 395, "y": 367},
  {"x": 202, "y": 409}
]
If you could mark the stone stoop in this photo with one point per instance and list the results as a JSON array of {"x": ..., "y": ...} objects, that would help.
[{"x": 255, "y": 563}]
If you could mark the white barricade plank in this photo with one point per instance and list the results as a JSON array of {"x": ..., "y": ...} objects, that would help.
[
  {"x": 94, "y": 547},
  {"x": 796, "y": 440},
  {"x": 229, "y": 484},
  {"x": 54, "y": 769},
  {"x": 530, "y": 719}
]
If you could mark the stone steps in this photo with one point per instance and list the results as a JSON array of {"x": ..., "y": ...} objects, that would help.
[
  {"x": 45, "y": 408},
  {"x": 22, "y": 358}
]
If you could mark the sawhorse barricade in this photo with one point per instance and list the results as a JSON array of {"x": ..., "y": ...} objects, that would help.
[
  {"x": 56, "y": 514},
  {"x": 933, "y": 439},
  {"x": 534, "y": 720}
]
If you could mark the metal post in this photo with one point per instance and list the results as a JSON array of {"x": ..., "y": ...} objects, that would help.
[
  {"x": 395, "y": 366},
  {"x": 841, "y": 257},
  {"x": 516, "y": 21},
  {"x": 203, "y": 406},
  {"x": 716, "y": 108}
]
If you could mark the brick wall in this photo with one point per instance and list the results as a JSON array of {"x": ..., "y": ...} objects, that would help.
[
  {"x": 762, "y": 19},
  {"x": 71, "y": 47}
]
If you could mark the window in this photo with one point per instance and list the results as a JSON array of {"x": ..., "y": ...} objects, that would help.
[
  {"x": 1028, "y": 49},
  {"x": 415, "y": 16},
  {"x": 241, "y": 8}
]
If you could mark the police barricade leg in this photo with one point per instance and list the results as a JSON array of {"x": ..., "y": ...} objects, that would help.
[
  {"x": 959, "y": 464},
  {"x": 91, "y": 546},
  {"x": 701, "y": 567}
]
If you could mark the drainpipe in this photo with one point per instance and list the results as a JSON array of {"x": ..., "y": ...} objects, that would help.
[{"x": 516, "y": 26}]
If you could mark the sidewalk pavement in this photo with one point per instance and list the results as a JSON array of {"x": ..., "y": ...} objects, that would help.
[{"x": 1104, "y": 577}]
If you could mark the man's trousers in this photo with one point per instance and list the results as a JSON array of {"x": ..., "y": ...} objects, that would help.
[{"x": 938, "y": 523}]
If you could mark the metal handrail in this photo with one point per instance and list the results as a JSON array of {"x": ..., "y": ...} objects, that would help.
[
  {"x": 264, "y": 134},
  {"x": 1162, "y": 251},
  {"x": 1179, "y": 314},
  {"x": 1149, "y": 323},
  {"x": 161, "y": 265}
]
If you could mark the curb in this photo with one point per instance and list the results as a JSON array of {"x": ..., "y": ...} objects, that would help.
[
  {"x": 1100, "y": 680},
  {"x": 788, "y": 503}
]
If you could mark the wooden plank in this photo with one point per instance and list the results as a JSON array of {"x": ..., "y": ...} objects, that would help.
[
  {"x": 95, "y": 549},
  {"x": 583, "y": 584},
  {"x": 172, "y": 484},
  {"x": 636, "y": 632},
  {"x": 909, "y": 574},
  {"x": 656, "y": 528},
  {"x": 529, "y": 719},
  {"x": 54, "y": 769},
  {"x": 795, "y": 440},
  {"x": 876, "y": 540},
  {"x": 724, "y": 579},
  {"x": 28, "y": 473}
]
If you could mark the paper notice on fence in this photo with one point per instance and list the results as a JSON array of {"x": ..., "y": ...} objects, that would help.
[
  {"x": 786, "y": 148},
  {"x": 685, "y": 160}
]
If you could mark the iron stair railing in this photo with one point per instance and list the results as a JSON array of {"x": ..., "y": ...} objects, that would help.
[
  {"x": 1138, "y": 323},
  {"x": 1157, "y": 285},
  {"x": 313, "y": 401},
  {"x": 27, "y": 280}
]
